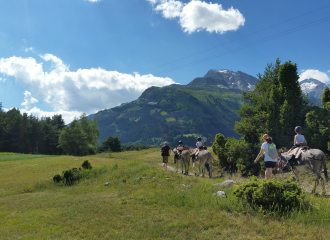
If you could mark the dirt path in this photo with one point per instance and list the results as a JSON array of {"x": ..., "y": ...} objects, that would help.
[{"x": 172, "y": 169}]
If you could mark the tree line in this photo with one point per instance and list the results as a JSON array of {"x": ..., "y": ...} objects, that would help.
[
  {"x": 23, "y": 133},
  {"x": 274, "y": 107}
]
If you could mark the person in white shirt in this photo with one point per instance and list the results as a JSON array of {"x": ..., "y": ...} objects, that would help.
[{"x": 270, "y": 163}]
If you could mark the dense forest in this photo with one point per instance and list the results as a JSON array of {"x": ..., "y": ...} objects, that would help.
[
  {"x": 27, "y": 134},
  {"x": 274, "y": 107},
  {"x": 22, "y": 133}
]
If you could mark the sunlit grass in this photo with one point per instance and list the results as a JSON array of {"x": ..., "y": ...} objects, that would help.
[{"x": 140, "y": 202}]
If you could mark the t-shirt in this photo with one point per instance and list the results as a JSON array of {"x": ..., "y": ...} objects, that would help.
[
  {"x": 300, "y": 139},
  {"x": 199, "y": 144},
  {"x": 264, "y": 146},
  {"x": 166, "y": 149}
]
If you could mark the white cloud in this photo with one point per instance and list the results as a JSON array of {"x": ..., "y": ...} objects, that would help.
[
  {"x": 328, "y": 70},
  {"x": 316, "y": 74},
  {"x": 84, "y": 90},
  {"x": 68, "y": 116},
  {"x": 198, "y": 15},
  {"x": 28, "y": 49},
  {"x": 152, "y": 1},
  {"x": 2, "y": 79},
  {"x": 28, "y": 100},
  {"x": 170, "y": 8},
  {"x": 93, "y": 0}
]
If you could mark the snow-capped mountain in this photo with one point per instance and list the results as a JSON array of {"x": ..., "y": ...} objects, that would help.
[
  {"x": 314, "y": 88},
  {"x": 232, "y": 79}
]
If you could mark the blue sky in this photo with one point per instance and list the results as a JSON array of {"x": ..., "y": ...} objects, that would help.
[{"x": 78, "y": 56}]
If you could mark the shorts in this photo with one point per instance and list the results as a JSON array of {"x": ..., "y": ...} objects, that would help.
[
  {"x": 165, "y": 159},
  {"x": 270, "y": 164}
]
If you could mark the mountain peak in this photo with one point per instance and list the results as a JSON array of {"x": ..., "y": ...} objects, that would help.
[
  {"x": 312, "y": 87},
  {"x": 224, "y": 78}
]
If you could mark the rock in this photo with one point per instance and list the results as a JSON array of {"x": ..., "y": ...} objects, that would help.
[
  {"x": 220, "y": 194},
  {"x": 106, "y": 184},
  {"x": 229, "y": 213},
  {"x": 225, "y": 183}
]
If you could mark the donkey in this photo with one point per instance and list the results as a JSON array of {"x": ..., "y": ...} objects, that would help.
[
  {"x": 204, "y": 157},
  {"x": 184, "y": 157},
  {"x": 309, "y": 161}
]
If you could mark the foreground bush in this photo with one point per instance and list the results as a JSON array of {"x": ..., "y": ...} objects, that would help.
[
  {"x": 71, "y": 176},
  {"x": 272, "y": 195}
]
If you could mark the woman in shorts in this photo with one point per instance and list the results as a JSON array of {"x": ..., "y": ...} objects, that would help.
[{"x": 270, "y": 163}]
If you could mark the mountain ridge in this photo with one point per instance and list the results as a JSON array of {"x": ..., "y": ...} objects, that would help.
[{"x": 204, "y": 107}]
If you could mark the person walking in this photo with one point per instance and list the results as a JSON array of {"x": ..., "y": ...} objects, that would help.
[
  {"x": 268, "y": 148},
  {"x": 165, "y": 152}
]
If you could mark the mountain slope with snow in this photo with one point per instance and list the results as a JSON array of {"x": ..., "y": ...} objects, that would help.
[
  {"x": 313, "y": 88},
  {"x": 230, "y": 79}
]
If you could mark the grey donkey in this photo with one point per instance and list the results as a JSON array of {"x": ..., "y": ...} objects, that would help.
[
  {"x": 184, "y": 157},
  {"x": 309, "y": 161},
  {"x": 204, "y": 157}
]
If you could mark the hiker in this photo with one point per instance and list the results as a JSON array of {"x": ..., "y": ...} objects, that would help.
[
  {"x": 298, "y": 140},
  {"x": 165, "y": 152},
  {"x": 268, "y": 148}
]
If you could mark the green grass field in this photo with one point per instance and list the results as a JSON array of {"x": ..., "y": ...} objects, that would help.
[{"x": 140, "y": 202}]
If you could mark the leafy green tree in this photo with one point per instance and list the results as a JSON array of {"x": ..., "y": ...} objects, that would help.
[
  {"x": 317, "y": 127},
  {"x": 234, "y": 155},
  {"x": 92, "y": 132},
  {"x": 274, "y": 107},
  {"x": 112, "y": 143},
  {"x": 325, "y": 96},
  {"x": 73, "y": 140},
  {"x": 2, "y": 130},
  {"x": 218, "y": 148}
]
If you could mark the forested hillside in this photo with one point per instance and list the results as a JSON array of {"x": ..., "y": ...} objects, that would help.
[{"x": 173, "y": 113}]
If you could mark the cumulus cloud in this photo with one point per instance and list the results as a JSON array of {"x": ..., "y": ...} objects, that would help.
[
  {"x": 28, "y": 100},
  {"x": 170, "y": 8},
  {"x": 198, "y": 15},
  {"x": 68, "y": 116},
  {"x": 84, "y": 90},
  {"x": 316, "y": 74}
]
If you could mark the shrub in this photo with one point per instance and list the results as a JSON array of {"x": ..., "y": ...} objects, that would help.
[
  {"x": 71, "y": 176},
  {"x": 57, "y": 178},
  {"x": 272, "y": 195},
  {"x": 86, "y": 165}
]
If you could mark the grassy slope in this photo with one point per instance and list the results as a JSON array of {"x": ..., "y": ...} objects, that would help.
[{"x": 152, "y": 204}]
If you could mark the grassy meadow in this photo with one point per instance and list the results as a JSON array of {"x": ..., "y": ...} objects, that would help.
[{"x": 140, "y": 202}]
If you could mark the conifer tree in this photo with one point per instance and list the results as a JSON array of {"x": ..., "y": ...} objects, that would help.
[{"x": 325, "y": 96}]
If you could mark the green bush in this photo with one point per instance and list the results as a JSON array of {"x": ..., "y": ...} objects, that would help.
[
  {"x": 234, "y": 155},
  {"x": 70, "y": 176},
  {"x": 86, "y": 165},
  {"x": 57, "y": 178},
  {"x": 272, "y": 195}
]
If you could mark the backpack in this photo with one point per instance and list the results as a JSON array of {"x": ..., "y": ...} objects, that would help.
[
  {"x": 164, "y": 151},
  {"x": 272, "y": 151}
]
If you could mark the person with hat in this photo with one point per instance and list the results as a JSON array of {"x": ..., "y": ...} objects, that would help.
[{"x": 165, "y": 152}]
